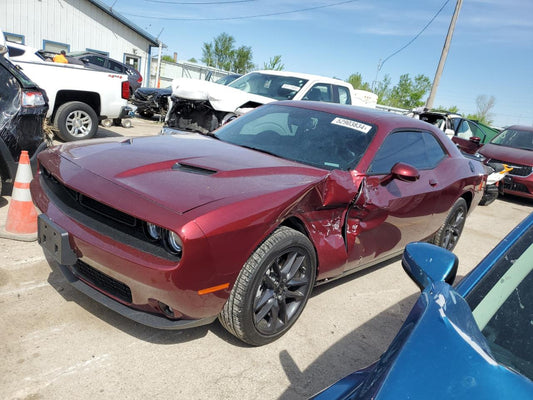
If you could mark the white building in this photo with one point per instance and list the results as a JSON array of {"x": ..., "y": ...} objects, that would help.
[{"x": 78, "y": 25}]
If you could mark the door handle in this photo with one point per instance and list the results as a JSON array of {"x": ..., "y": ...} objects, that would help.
[{"x": 433, "y": 182}]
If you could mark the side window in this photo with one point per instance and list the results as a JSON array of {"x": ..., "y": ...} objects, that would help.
[
  {"x": 319, "y": 92},
  {"x": 476, "y": 131},
  {"x": 344, "y": 95},
  {"x": 116, "y": 66},
  {"x": 464, "y": 131},
  {"x": 97, "y": 60},
  {"x": 419, "y": 149}
]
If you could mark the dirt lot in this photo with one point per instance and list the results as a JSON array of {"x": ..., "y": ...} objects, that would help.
[{"x": 57, "y": 343}]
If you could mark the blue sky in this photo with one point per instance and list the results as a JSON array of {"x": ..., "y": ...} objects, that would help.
[{"x": 491, "y": 52}]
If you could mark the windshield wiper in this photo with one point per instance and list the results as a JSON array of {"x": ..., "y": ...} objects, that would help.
[{"x": 260, "y": 150}]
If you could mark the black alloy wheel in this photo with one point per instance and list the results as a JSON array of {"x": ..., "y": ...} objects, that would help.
[
  {"x": 449, "y": 233},
  {"x": 272, "y": 288}
]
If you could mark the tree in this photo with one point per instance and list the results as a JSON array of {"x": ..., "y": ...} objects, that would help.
[
  {"x": 242, "y": 60},
  {"x": 274, "y": 64},
  {"x": 484, "y": 106},
  {"x": 221, "y": 53},
  {"x": 408, "y": 93},
  {"x": 208, "y": 55},
  {"x": 451, "y": 109},
  {"x": 383, "y": 89},
  {"x": 356, "y": 80},
  {"x": 168, "y": 58}
]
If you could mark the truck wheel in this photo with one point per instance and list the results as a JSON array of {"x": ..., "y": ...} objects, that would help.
[
  {"x": 107, "y": 123},
  {"x": 75, "y": 121}
]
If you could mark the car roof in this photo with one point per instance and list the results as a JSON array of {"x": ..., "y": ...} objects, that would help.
[
  {"x": 367, "y": 114},
  {"x": 300, "y": 75},
  {"x": 521, "y": 128}
]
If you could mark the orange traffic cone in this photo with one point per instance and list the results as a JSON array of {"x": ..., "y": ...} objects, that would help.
[{"x": 21, "y": 223}]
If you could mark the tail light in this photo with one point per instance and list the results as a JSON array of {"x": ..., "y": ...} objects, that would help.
[
  {"x": 140, "y": 79},
  {"x": 125, "y": 90},
  {"x": 32, "y": 99}
]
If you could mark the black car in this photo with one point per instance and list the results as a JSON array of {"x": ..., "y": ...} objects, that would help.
[
  {"x": 101, "y": 61},
  {"x": 23, "y": 108},
  {"x": 150, "y": 101}
]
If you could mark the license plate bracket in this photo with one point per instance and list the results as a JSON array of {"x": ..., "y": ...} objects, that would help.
[{"x": 55, "y": 240}]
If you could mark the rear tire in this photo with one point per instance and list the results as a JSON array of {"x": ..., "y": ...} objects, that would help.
[
  {"x": 449, "y": 233},
  {"x": 272, "y": 288},
  {"x": 75, "y": 121}
]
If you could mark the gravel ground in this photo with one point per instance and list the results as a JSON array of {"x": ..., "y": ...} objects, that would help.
[{"x": 57, "y": 343}]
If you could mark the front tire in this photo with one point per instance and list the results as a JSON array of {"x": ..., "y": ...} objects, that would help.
[
  {"x": 449, "y": 233},
  {"x": 272, "y": 288},
  {"x": 75, "y": 121}
]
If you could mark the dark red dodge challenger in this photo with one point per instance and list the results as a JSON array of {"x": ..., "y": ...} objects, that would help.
[{"x": 176, "y": 230}]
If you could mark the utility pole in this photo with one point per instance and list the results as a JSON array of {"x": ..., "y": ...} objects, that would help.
[
  {"x": 158, "y": 71},
  {"x": 444, "y": 54}
]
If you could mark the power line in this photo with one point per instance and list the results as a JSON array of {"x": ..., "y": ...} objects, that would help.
[
  {"x": 242, "y": 17},
  {"x": 416, "y": 37},
  {"x": 200, "y": 3}
]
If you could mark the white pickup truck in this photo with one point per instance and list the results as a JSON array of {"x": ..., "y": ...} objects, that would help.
[
  {"x": 203, "y": 106},
  {"x": 79, "y": 98}
]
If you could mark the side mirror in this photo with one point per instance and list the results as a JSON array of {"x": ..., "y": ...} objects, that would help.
[
  {"x": 426, "y": 264},
  {"x": 405, "y": 172},
  {"x": 475, "y": 140},
  {"x": 84, "y": 60},
  {"x": 449, "y": 132}
]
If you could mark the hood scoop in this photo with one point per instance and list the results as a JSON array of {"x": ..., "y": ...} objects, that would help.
[{"x": 193, "y": 169}]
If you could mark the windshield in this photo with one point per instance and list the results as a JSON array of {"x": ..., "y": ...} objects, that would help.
[
  {"x": 520, "y": 139},
  {"x": 273, "y": 86},
  {"x": 310, "y": 137},
  {"x": 502, "y": 305}
]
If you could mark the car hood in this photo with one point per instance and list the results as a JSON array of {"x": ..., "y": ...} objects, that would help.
[
  {"x": 507, "y": 154},
  {"x": 438, "y": 353},
  {"x": 221, "y": 97},
  {"x": 180, "y": 172}
]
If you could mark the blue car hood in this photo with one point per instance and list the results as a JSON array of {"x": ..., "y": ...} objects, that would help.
[{"x": 439, "y": 353}]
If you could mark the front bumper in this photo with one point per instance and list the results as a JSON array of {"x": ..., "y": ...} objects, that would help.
[
  {"x": 163, "y": 292},
  {"x": 142, "y": 317},
  {"x": 518, "y": 186},
  {"x": 55, "y": 242}
]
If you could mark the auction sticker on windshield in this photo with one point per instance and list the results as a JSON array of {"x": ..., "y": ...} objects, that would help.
[{"x": 348, "y": 123}]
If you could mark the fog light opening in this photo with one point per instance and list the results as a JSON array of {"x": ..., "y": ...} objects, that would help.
[{"x": 167, "y": 310}]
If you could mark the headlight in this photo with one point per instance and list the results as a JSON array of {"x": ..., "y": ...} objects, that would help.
[
  {"x": 152, "y": 231},
  {"x": 174, "y": 243}
]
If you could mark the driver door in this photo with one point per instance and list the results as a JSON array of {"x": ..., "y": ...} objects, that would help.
[{"x": 390, "y": 211}]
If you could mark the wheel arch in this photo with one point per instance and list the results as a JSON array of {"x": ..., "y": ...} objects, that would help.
[
  {"x": 92, "y": 99},
  {"x": 298, "y": 225},
  {"x": 468, "y": 197}
]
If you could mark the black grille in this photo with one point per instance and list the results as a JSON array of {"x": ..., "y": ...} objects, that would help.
[
  {"x": 102, "y": 281},
  {"x": 515, "y": 187},
  {"x": 108, "y": 221},
  {"x": 518, "y": 169}
]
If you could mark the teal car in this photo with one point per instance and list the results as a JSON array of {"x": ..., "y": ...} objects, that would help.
[{"x": 472, "y": 341}]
